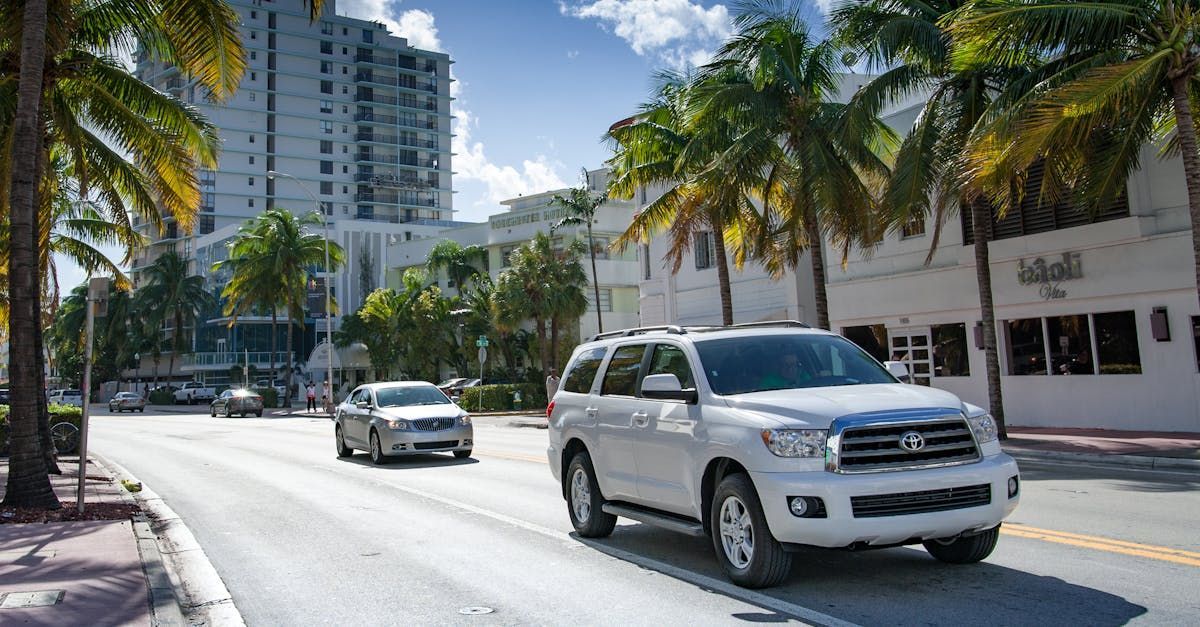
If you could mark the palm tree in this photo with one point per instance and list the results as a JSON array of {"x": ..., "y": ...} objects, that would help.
[
  {"x": 280, "y": 246},
  {"x": 783, "y": 91},
  {"x": 461, "y": 262},
  {"x": 1125, "y": 75},
  {"x": 176, "y": 297},
  {"x": 581, "y": 205},
  {"x": 666, "y": 144},
  {"x": 909, "y": 40}
]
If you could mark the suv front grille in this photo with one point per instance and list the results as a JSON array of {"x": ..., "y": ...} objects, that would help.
[
  {"x": 901, "y": 503},
  {"x": 433, "y": 424},
  {"x": 877, "y": 448}
]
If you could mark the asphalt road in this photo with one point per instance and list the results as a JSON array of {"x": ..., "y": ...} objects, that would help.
[{"x": 302, "y": 537}]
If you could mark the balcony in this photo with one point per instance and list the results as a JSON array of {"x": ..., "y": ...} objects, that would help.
[
  {"x": 391, "y": 120},
  {"x": 394, "y": 182},
  {"x": 428, "y": 144},
  {"x": 405, "y": 82},
  {"x": 394, "y": 160},
  {"x": 403, "y": 101},
  {"x": 395, "y": 199},
  {"x": 224, "y": 360},
  {"x": 377, "y": 59}
]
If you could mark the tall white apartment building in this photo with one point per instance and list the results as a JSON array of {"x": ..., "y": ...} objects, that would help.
[{"x": 358, "y": 116}]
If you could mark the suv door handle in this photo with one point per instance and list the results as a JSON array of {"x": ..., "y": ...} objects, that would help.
[
  {"x": 591, "y": 412},
  {"x": 640, "y": 419}
]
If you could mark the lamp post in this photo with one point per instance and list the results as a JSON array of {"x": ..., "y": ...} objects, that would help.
[{"x": 328, "y": 274}]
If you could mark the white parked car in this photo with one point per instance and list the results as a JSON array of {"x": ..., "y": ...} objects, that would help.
[
  {"x": 194, "y": 392},
  {"x": 769, "y": 437},
  {"x": 66, "y": 397}
]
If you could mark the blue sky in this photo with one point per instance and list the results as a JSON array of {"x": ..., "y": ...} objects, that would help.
[{"x": 539, "y": 81}]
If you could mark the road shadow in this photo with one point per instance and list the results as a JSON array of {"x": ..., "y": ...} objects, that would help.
[
  {"x": 410, "y": 462},
  {"x": 1125, "y": 479},
  {"x": 899, "y": 586}
]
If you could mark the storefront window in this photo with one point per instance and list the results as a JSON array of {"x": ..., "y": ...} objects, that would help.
[
  {"x": 1117, "y": 344},
  {"x": 871, "y": 338},
  {"x": 950, "y": 350},
  {"x": 1026, "y": 347},
  {"x": 1070, "y": 345}
]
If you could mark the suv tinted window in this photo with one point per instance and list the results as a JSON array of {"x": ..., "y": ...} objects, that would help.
[
  {"x": 670, "y": 359},
  {"x": 621, "y": 376},
  {"x": 777, "y": 362},
  {"x": 583, "y": 371}
]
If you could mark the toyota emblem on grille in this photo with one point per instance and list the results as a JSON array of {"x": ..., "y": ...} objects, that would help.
[{"x": 912, "y": 441}]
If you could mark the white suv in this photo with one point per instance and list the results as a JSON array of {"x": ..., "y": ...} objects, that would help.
[{"x": 768, "y": 437}]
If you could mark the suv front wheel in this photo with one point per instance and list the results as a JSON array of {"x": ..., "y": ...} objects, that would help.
[
  {"x": 750, "y": 555},
  {"x": 584, "y": 499}
]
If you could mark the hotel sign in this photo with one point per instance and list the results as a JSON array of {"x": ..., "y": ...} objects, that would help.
[
  {"x": 1049, "y": 275},
  {"x": 545, "y": 215}
]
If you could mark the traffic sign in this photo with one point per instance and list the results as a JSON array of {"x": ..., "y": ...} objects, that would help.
[
  {"x": 482, "y": 342},
  {"x": 482, "y": 355}
]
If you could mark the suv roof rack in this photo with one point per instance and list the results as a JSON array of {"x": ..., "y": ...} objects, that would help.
[
  {"x": 774, "y": 323},
  {"x": 669, "y": 328}
]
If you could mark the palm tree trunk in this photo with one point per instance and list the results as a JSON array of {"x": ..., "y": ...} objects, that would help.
[
  {"x": 287, "y": 382},
  {"x": 553, "y": 342},
  {"x": 49, "y": 453},
  {"x": 543, "y": 348},
  {"x": 275, "y": 344},
  {"x": 595, "y": 281},
  {"x": 723, "y": 275},
  {"x": 174, "y": 347},
  {"x": 817, "y": 250},
  {"x": 1186, "y": 129},
  {"x": 28, "y": 481},
  {"x": 981, "y": 223}
]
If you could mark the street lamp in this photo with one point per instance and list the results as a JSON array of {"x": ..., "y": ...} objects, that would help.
[{"x": 271, "y": 174}]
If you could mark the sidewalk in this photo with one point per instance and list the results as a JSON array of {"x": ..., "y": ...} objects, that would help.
[
  {"x": 1142, "y": 449},
  {"x": 85, "y": 571}
]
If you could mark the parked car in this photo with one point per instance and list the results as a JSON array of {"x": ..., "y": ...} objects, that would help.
[
  {"x": 194, "y": 392},
  {"x": 241, "y": 402},
  {"x": 401, "y": 418},
  {"x": 127, "y": 401},
  {"x": 67, "y": 397},
  {"x": 280, "y": 388},
  {"x": 445, "y": 386},
  {"x": 3, "y": 396},
  {"x": 455, "y": 392},
  {"x": 766, "y": 438}
]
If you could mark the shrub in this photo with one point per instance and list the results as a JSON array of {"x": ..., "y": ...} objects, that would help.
[
  {"x": 58, "y": 413},
  {"x": 499, "y": 397},
  {"x": 162, "y": 397},
  {"x": 270, "y": 396}
]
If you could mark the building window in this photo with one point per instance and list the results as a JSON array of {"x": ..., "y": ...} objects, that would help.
[
  {"x": 326, "y": 188},
  {"x": 326, "y": 47},
  {"x": 207, "y": 224},
  {"x": 345, "y": 129},
  {"x": 326, "y": 167},
  {"x": 368, "y": 36},
  {"x": 600, "y": 247},
  {"x": 252, "y": 139},
  {"x": 1026, "y": 347},
  {"x": 251, "y": 96},
  {"x": 1070, "y": 345},
  {"x": 950, "y": 350},
  {"x": 327, "y": 208},
  {"x": 253, "y": 34},
  {"x": 251, "y": 159},
  {"x": 705, "y": 250},
  {"x": 871, "y": 338},
  {"x": 345, "y": 169},
  {"x": 326, "y": 147},
  {"x": 327, "y": 67},
  {"x": 345, "y": 90},
  {"x": 345, "y": 70},
  {"x": 327, "y": 87},
  {"x": 254, "y": 76},
  {"x": 251, "y": 183},
  {"x": 345, "y": 149},
  {"x": 345, "y": 50},
  {"x": 345, "y": 190},
  {"x": 644, "y": 257},
  {"x": 249, "y": 202},
  {"x": 253, "y": 55},
  {"x": 345, "y": 109},
  {"x": 1117, "y": 343},
  {"x": 326, "y": 28},
  {"x": 605, "y": 300},
  {"x": 913, "y": 228},
  {"x": 326, "y": 127},
  {"x": 505, "y": 252},
  {"x": 254, "y": 15},
  {"x": 326, "y": 106}
]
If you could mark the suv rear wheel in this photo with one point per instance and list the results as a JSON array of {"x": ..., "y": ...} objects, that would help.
[
  {"x": 584, "y": 499},
  {"x": 964, "y": 549},
  {"x": 750, "y": 555}
]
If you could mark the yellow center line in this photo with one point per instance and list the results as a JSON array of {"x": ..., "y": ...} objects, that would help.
[{"x": 1165, "y": 554}]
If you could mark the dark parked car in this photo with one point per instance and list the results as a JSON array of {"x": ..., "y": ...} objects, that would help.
[
  {"x": 241, "y": 402},
  {"x": 445, "y": 386},
  {"x": 127, "y": 401},
  {"x": 3, "y": 396}
]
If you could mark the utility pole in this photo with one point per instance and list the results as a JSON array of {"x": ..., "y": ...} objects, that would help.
[{"x": 97, "y": 300}]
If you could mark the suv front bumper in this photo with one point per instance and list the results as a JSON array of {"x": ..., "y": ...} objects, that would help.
[{"x": 840, "y": 528}]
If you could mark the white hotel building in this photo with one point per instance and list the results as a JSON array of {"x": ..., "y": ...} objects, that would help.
[
  {"x": 357, "y": 115},
  {"x": 1098, "y": 322}
]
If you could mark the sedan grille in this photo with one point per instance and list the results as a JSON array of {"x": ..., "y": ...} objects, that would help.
[
  {"x": 877, "y": 448},
  {"x": 902, "y": 503},
  {"x": 433, "y": 424},
  {"x": 425, "y": 446}
]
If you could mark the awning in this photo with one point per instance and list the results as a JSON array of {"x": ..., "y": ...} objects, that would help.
[{"x": 352, "y": 357}]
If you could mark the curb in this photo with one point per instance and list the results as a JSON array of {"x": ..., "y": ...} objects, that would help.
[
  {"x": 1143, "y": 462},
  {"x": 531, "y": 423},
  {"x": 186, "y": 574}
]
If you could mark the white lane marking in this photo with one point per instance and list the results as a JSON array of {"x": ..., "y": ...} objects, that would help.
[{"x": 728, "y": 589}]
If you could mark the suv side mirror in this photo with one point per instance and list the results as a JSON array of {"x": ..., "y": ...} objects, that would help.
[
  {"x": 898, "y": 369},
  {"x": 363, "y": 404},
  {"x": 667, "y": 387}
]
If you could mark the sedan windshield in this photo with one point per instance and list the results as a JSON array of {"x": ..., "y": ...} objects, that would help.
[
  {"x": 782, "y": 362},
  {"x": 414, "y": 395}
]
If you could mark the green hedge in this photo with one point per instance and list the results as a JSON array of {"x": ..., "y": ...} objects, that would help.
[
  {"x": 499, "y": 397},
  {"x": 162, "y": 397},
  {"x": 269, "y": 395},
  {"x": 58, "y": 413}
]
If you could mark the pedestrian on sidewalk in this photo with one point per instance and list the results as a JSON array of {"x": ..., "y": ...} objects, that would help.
[
  {"x": 310, "y": 392},
  {"x": 551, "y": 384}
]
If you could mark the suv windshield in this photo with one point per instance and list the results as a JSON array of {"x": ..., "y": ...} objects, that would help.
[
  {"x": 739, "y": 365},
  {"x": 416, "y": 395}
]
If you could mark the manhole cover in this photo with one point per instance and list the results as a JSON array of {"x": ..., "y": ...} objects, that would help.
[
  {"x": 40, "y": 598},
  {"x": 475, "y": 610}
]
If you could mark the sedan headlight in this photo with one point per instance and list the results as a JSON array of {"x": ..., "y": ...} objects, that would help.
[
  {"x": 399, "y": 425},
  {"x": 795, "y": 442},
  {"x": 464, "y": 420},
  {"x": 984, "y": 427}
]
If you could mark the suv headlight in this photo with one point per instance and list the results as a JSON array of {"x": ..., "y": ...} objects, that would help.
[
  {"x": 984, "y": 427},
  {"x": 399, "y": 425},
  {"x": 795, "y": 442}
]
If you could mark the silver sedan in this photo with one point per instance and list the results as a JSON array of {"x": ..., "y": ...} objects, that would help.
[{"x": 401, "y": 418}]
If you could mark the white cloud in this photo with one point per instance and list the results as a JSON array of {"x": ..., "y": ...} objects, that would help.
[
  {"x": 823, "y": 5},
  {"x": 678, "y": 32},
  {"x": 571, "y": 54},
  {"x": 503, "y": 182},
  {"x": 415, "y": 25}
]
